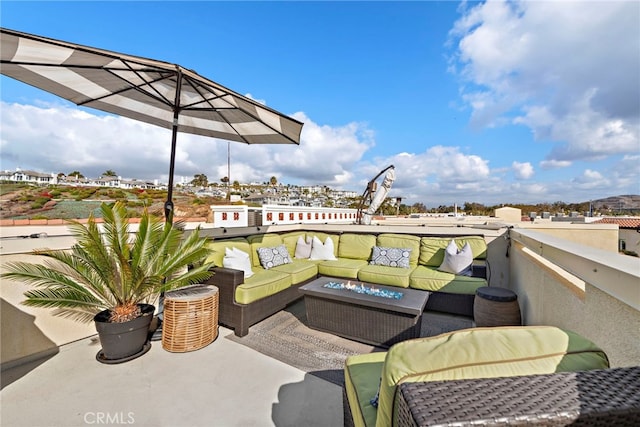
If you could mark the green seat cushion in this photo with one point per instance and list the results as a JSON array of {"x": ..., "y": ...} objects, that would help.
[
  {"x": 390, "y": 240},
  {"x": 385, "y": 275},
  {"x": 361, "y": 381},
  {"x": 484, "y": 353},
  {"x": 356, "y": 246},
  {"x": 431, "y": 279},
  {"x": 262, "y": 284},
  {"x": 256, "y": 241},
  {"x": 217, "y": 248},
  {"x": 343, "y": 267},
  {"x": 432, "y": 248},
  {"x": 299, "y": 269}
]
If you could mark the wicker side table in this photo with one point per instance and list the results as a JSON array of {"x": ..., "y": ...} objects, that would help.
[
  {"x": 190, "y": 318},
  {"x": 495, "y": 306}
]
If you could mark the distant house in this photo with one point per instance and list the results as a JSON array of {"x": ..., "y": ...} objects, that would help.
[
  {"x": 29, "y": 177},
  {"x": 628, "y": 232}
]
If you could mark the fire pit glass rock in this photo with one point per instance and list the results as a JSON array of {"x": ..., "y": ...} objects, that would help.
[{"x": 363, "y": 289}]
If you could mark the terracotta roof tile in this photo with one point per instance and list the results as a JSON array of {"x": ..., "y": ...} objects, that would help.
[{"x": 622, "y": 222}]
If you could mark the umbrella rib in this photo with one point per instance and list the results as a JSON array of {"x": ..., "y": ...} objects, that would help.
[
  {"x": 253, "y": 116},
  {"x": 158, "y": 96}
]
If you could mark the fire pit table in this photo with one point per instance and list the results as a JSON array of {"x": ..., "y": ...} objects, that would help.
[{"x": 373, "y": 314}]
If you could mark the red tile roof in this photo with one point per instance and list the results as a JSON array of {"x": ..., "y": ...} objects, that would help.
[{"x": 622, "y": 222}]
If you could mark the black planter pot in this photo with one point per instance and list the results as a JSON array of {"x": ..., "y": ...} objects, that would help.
[{"x": 123, "y": 341}]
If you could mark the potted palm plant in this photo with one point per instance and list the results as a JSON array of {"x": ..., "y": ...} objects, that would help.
[{"x": 113, "y": 277}]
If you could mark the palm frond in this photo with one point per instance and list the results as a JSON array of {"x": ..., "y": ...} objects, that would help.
[{"x": 106, "y": 268}]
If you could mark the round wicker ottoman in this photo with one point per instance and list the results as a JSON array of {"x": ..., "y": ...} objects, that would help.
[
  {"x": 190, "y": 318},
  {"x": 495, "y": 306}
]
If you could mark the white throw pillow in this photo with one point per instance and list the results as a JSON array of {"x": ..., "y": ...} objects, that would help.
[
  {"x": 457, "y": 262},
  {"x": 238, "y": 260},
  {"x": 321, "y": 251},
  {"x": 303, "y": 249}
]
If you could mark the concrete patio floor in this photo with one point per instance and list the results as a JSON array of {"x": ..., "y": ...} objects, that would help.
[{"x": 223, "y": 384}]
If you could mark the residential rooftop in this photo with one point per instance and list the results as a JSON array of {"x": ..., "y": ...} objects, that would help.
[{"x": 566, "y": 275}]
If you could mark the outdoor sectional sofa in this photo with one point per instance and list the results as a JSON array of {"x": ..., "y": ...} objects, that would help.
[
  {"x": 246, "y": 301},
  {"x": 518, "y": 375}
]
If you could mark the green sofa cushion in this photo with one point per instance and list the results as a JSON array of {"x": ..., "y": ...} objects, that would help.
[
  {"x": 299, "y": 269},
  {"x": 217, "y": 248},
  {"x": 256, "y": 241},
  {"x": 390, "y": 240},
  {"x": 385, "y": 275},
  {"x": 262, "y": 284},
  {"x": 361, "y": 379},
  {"x": 345, "y": 268},
  {"x": 431, "y": 279},
  {"x": 432, "y": 248},
  {"x": 484, "y": 353},
  {"x": 356, "y": 246}
]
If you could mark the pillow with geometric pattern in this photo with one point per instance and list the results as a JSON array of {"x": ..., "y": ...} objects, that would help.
[
  {"x": 391, "y": 257},
  {"x": 273, "y": 257}
]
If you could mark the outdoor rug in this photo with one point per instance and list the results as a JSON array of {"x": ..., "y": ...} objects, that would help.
[{"x": 286, "y": 337}]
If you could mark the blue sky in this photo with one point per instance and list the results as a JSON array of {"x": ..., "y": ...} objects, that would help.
[{"x": 516, "y": 102}]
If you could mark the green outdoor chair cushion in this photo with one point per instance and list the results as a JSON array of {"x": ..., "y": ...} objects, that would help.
[
  {"x": 385, "y": 275},
  {"x": 356, "y": 246},
  {"x": 390, "y": 240},
  {"x": 343, "y": 267},
  {"x": 217, "y": 248},
  {"x": 430, "y": 279},
  {"x": 484, "y": 353},
  {"x": 432, "y": 248},
  {"x": 299, "y": 269},
  {"x": 262, "y": 284},
  {"x": 256, "y": 241},
  {"x": 362, "y": 378}
]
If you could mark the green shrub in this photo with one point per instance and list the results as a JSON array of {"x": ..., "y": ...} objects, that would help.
[{"x": 39, "y": 202}]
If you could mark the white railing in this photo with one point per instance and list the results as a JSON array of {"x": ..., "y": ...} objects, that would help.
[{"x": 228, "y": 216}]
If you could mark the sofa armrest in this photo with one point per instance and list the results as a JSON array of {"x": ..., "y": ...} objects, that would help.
[
  {"x": 597, "y": 397},
  {"x": 479, "y": 268},
  {"x": 227, "y": 276}
]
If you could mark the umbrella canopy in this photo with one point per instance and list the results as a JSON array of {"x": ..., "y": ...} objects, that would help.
[{"x": 147, "y": 90}]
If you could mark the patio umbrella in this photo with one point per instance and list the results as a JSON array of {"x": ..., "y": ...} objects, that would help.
[
  {"x": 375, "y": 194},
  {"x": 151, "y": 91}
]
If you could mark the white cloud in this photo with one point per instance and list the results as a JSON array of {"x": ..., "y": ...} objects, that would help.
[
  {"x": 522, "y": 170},
  {"x": 554, "y": 164},
  {"x": 60, "y": 138},
  {"x": 567, "y": 70}
]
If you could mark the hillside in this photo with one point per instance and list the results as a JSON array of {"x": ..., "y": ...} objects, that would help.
[
  {"x": 616, "y": 203},
  {"x": 20, "y": 201}
]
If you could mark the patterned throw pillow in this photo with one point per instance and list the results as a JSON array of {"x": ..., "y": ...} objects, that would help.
[
  {"x": 273, "y": 257},
  {"x": 457, "y": 262},
  {"x": 391, "y": 257}
]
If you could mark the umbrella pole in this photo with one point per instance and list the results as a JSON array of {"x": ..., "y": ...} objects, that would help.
[{"x": 168, "y": 205}]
